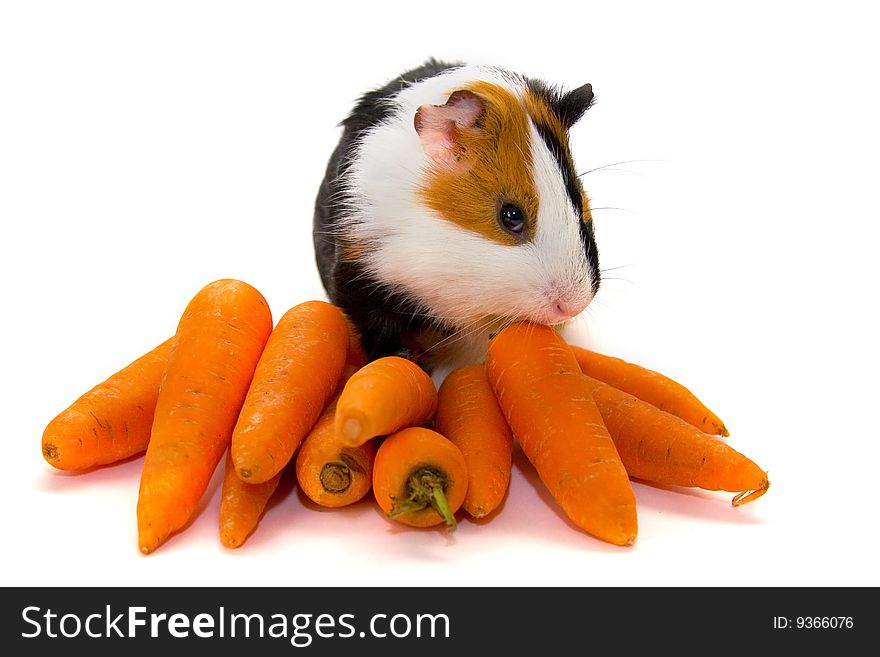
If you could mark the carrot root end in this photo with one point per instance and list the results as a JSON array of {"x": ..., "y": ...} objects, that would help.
[
  {"x": 750, "y": 496},
  {"x": 50, "y": 452}
]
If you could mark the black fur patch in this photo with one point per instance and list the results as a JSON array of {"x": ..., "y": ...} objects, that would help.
[
  {"x": 569, "y": 106},
  {"x": 382, "y": 315},
  {"x": 588, "y": 239}
]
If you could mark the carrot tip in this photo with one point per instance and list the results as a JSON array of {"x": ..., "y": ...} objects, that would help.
[
  {"x": 625, "y": 536},
  {"x": 149, "y": 541},
  {"x": 231, "y": 542},
  {"x": 750, "y": 496},
  {"x": 352, "y": 428}
]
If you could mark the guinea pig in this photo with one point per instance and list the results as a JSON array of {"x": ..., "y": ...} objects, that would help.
[{"x": 451, "y": 207}]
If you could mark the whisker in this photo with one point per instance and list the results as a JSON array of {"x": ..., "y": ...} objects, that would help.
[
  {"x": 615, "y": 164},
  {"x": 427, "y": 315},
  {"x": 629, "y": 264},
  {"x": 618, "y": 278},
  {"x": 460, "y": 334},
  {"x": 617, "y": 170},
  {"x": 613, "y": 208}
]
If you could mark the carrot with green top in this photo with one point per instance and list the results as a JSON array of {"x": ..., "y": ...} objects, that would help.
[
  {"x": 384, "y": 396},
  {"x": 664, "y": 449},
  {"x": 218, "y": 342},
  {"x": 469, "y": 416},
  {"x": 112, "y": 421},
  {"x": 649, "y": 386},
  {"x": 298, "y": 372},
  {"x": 328, "y": 472},
  {"x": 419, "y": 478},
  {"x": 242, "y": 505},
  {"x": 549, "y": 406}
]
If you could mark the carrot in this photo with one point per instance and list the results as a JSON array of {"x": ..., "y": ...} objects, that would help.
[
  {"x": 419, "y": 478},
  {"x": 328, "y": 472},
  {"x": 297, "y": 373},
  {"x": 548, "y": 405},
  {"x": 242, "y": 505},
  {"x": 662, "y": 448},
  {"x": 651, "y": 387},
  {"x": 469, "y": 416},
  {"x": 384, "y": 396},
  {"x": 217, "y": 345},
  {"x": 111, "y": 421}
]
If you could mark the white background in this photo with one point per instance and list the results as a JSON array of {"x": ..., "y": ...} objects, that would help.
[{"x": 147, "y": 149}]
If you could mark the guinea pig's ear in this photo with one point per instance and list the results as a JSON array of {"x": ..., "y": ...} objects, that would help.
[
  {"x": 440, "y": 127},
  {"x": 571, "y": 106}
]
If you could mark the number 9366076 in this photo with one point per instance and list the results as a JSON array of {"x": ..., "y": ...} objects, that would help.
[{"x": 813, "y": 622}]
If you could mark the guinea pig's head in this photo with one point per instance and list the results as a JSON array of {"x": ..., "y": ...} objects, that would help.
[{"x": 517, "y": 236}]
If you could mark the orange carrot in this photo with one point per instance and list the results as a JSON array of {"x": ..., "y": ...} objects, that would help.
[
  {"x": 662, "y": 448},
  {"x": 385, "y": 395},
  {"x": 329, "y": 473},
  {"x": 419, "y": 478},
  {"x": 651, "y": 387},
  {"x": 548, "y": 405},
  {"x": 218, "y": 342},
  {"x": 111, "y": 421},
  {"x": 469, "y": 416},
  {"x": 242, "y": 505},
  {"x": 297, "y": 373}
]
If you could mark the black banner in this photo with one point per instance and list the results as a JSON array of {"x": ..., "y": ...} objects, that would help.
[{"x": 429, "y": 621}]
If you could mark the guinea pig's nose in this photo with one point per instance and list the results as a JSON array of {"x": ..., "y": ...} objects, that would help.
[{"x": 565, "y": 309}]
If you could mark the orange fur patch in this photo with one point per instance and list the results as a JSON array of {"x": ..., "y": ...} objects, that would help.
[
  {"x": 588, "y": 214},
  {"x": 352, "y": 252},
  {"x": 496, "y": 168}
]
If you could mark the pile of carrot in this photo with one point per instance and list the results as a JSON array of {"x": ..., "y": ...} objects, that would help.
[{"x": 300, "y": 396}]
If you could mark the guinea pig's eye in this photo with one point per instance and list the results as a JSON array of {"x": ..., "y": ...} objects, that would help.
[{"x": 512, "y": 219}]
